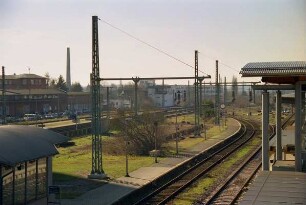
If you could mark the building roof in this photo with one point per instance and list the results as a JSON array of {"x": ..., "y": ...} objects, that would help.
[
  {"x": 262, "y": 69},
  {"x": 78, "y": 93},
  {"x": 24, "y": 143},
  {"x": 49, "y": 91},
  {"x": 25, "y": 75}
]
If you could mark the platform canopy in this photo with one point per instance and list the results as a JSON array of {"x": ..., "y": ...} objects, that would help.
[
  {"x": 19, "y": 143},
  {"x": 288, "y": 72}
]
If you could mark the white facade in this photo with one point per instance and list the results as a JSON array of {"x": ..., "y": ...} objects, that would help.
[
  {"x": 172, "y": 94},
  {"x": 120, "y": 103}
]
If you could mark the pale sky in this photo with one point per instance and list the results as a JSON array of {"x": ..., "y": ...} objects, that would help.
[{"x": 35, "y": 34}]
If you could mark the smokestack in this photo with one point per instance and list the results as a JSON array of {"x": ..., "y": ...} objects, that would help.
[{"x": 68, "y": 79}]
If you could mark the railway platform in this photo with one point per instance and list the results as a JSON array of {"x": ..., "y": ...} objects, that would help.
[
  {"x": 115, "y": 189},
  {"x": 282, "y": 185},
  {"x": 277, "y": 187}
]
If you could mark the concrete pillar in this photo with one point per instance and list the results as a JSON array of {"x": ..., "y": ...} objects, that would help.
[
  {"x": 265, "y": 131},
  {"x": 298, "y": 127},
  {"x": 1, "y": 189},
  {"x": 303, "y": 122},
  {"x": 25, "y": 182},
  {"x": 278, "y": 126}
]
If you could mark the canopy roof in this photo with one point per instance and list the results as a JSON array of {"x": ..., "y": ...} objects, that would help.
[
  {"x": 24, "y": 143},
  {"x": 288, "y": 72},
  {"x": 261, "y": 69}
]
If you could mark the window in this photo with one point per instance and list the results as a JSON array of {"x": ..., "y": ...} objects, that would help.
[
  {"x": 24, "y": 81},
  {"x": 32, "y": 82}
]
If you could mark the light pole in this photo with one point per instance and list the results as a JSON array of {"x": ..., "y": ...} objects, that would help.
[
  {"x": 176, "y": 125},
  {"x": 176, "y": 135},
  {"x": 155, "y": 133},
  {"x": 126, "y": 148}
]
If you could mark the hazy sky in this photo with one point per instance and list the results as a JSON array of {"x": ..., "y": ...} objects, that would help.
[{"x": 35, "y": 33}]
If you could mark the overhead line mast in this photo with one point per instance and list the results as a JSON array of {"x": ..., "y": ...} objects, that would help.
[
  {"x": 196, "y": 96},
  {"x": 97, "y": 168}
]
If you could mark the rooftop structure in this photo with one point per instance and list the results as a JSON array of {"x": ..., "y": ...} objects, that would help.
[
  {"x": 276, "y": 72},
  {"x": 282, "y": 74},
  {"x": 26, "y": 162}
]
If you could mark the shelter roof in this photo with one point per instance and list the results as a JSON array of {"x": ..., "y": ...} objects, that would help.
[
  {"x": 262, "y": 69},
  {"x": 20, "y": 143},
  {"x": 288, "y": 72}
]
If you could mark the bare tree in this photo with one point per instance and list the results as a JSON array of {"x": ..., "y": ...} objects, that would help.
[{"x": 142, "y": 133}]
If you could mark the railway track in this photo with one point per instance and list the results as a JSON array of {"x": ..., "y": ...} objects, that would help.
[
  {"x": 231, "y": 188},
  {"x": 168, "y": 191},
  {"x": 288, "y": 121}
]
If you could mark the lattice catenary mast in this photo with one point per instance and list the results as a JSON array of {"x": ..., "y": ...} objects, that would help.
[{"x": 97, "y": 169}]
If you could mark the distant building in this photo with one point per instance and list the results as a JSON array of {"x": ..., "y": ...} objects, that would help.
[
  {"x": 22, "y": 101},
  {"x": 172, "y": 95},
  {"x": 118, "y": 104},
  {"x": 146, "y": 83},
  {"x": 25, "y": 81},
  {"x": 79, "y": 101},
  {"x": 29, "y": 93}
]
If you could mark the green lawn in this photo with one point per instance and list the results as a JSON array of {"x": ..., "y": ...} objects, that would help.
[
  {"x": 189, "y": 142},
  {"x": 75, "y": 161}
]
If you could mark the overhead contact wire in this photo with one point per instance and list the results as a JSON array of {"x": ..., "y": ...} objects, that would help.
[{"x": 151, "y": 46}]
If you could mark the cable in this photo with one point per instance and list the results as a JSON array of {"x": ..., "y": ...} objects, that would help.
[
  {"x": 221, "y": 63},
  {"x": 151, "y": 46},
  {"x": 230, "y": 67}
]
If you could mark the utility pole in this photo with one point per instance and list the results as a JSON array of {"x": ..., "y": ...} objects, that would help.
[
  {"x": 155, "y": 140},
  {"x": 201, "y": 101},
  {"x": 189, "y": 100},
  {"x": 217, "y": 97},
  {"x": 108, "y": 108},
  {"x": 204, "y": 113},
  {"x": 163, "y": 94},
  {"x": 224, "y": 92},
  {"x": 97, "y": 171},
  {"x": 196, "y": 95},
  {"x": 201, "y": 80},
  {"x": 136, "y": 81},
  {"x": 3, "y": 97}
]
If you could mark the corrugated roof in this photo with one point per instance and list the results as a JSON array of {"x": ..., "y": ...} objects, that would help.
[
  {"x": 260, "y": 69},
  {"x": 24, "y": 143}
]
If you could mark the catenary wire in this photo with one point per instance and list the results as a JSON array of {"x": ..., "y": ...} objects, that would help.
[{"x": 151, "y": 46}]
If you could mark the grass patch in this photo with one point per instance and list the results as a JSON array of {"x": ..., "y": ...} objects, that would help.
[
  {"x": 72, "y": 166},
  {"x": 186, "y": 118},
  {"x": 75, "y": 161},
  {"x": 187, "y": 143},
  {"x": 183, "y": 145}
]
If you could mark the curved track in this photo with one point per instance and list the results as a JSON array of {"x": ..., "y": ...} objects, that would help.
[
  {"x": 231, "y": 188},
  {"x": 175, "y": 186}
]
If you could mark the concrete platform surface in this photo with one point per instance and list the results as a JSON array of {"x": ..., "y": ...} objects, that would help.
[{"x": 277, "y": 187}]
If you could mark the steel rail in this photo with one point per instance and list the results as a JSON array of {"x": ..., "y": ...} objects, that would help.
[
  {"x": 221, "y": 195},
  {"x": 288, "y": 121},
  {"x": 161, "y": 196}
]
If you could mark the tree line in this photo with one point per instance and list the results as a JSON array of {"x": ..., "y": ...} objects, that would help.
[{"x": 60, "y": 83}]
